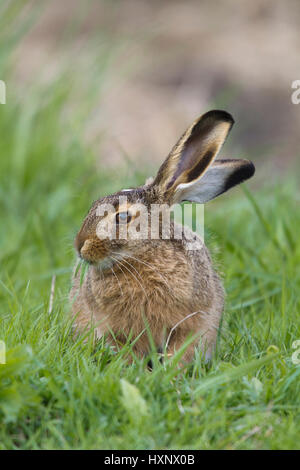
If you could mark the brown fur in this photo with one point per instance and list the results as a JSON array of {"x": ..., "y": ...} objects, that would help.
[
  {"x": 157, "y": 288},
  {"x": 132, "y": 285}
]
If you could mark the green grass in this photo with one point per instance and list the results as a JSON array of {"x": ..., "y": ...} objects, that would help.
[{"x": 61, "y": 393}]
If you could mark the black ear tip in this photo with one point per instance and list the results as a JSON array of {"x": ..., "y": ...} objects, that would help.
[
  {"x": 249, "y": 169},
  {"x": 243, "y": 172},
  {"x": 219, "y": 115}
]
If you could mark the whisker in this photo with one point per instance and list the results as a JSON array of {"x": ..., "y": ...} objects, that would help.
[
  {"x": 112, "y": 270},
  {"x": 119, "y": 263},
  {"x": 126, "y": 277},
  {"x": 143, "y": 262},
  {"x": 127, "y": 262},
  {"x": 154, "y": 269}
]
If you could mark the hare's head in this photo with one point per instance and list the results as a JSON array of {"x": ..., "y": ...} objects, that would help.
[{"x": 124, "y": 221}]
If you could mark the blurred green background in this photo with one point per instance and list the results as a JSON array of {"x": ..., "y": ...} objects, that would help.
[
  {"x": 97, "y": 94},
  {"x": 139, "y": 72}
]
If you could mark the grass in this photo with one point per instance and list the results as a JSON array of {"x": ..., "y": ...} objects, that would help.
[{"x": 60, "y": 393}]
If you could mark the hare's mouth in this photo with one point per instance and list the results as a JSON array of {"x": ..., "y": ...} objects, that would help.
[
  {"x": 109, "y": 261},
  {"x": 106, "y": 263},
  {"x": 102, "y": 264}
]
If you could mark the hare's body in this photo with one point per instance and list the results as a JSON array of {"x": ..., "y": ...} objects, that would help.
[
  {"x": 162, "y": 285},
  {"x": 139, "y": 284}
]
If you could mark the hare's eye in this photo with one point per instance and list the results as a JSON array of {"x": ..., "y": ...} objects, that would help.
[{"x": 123, "y": 218}]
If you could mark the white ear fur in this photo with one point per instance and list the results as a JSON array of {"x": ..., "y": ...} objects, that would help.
[
  {"x": 149, "y": 180},
  {"x": 221, "y": 176}
]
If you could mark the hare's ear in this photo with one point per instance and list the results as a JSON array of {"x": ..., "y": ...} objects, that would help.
[
  {"x": 194, "y": 153},
  {"x": 220, "y": 176}
]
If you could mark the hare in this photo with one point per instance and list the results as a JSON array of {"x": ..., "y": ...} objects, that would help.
[{"x": 163, "y": 285}]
